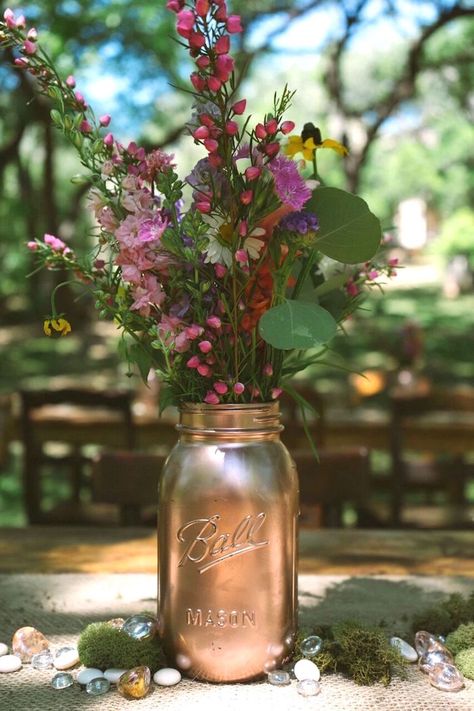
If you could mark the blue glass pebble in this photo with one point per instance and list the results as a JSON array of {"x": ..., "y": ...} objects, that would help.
[
  {"x": 97, "y": 687},
  {"x": 279, "y": 677},
  {"x": 141, "y": 626},
  {"x": 311, "y": 645},
  {"x": 62, "y": 680}
]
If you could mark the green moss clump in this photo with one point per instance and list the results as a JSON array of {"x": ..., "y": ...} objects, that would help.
[
  {"x": 446, "y": 616},
  {"x": 105, "y": 647},
  {"x": 460, "y": 639},
  {"x": 465, "y": 662},
  {"x": 360, "y": 652}
]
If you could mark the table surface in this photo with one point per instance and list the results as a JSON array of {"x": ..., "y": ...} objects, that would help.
[{"x": 54, "y": 549}]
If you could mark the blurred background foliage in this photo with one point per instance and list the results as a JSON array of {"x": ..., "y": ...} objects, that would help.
[{"x": 392, "y": 78}]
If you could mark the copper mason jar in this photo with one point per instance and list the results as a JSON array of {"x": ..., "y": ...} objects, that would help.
[{"x": 228, "y": 544}]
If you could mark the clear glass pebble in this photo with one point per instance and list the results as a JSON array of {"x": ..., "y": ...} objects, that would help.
[
  {"x": 279, "y": 677},
  {"x": 97, "y": 687},
  {"x": 446, "y": 677},
  {"x": 425, "y": 642},
  {"x": 311, "y": 645},
  {"x": 62, "y": 680},
  {"x": 42, "y": 660},
  {"x": 308, "y": 687},
  {"x": 405, "y": 649},
  {"x": 438, "y": 656},
  {"x": 140, "y": 626}
]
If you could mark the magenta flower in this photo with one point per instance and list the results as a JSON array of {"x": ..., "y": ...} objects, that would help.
[
  {"x": 238, "y": 388},
  {"x": 205, "y": 346},
  {"x": 214, "y": 322},
  {"x": 204, "y": 370},
  {"x": 220, "y": 387},
  {"x": 268, "y": 370},
  {"x": 222, "y": 45},
  {"x": 105, "y": 120},
  {"x": 109, "y": 140},
  {"x": 253, "y": 172},
  {"x": 202, "y": 7},
  {"x": 211, "y": 398},
  {"x": 32, "y": 34},
  {"x": 287, "y": 127},
  {"x": 54, "y": 242},
  {"x": 193, "y": 362},
  {"x": 9, "y": 17},
  {"x": 29, "y": 47},
  {"x": 289, "y": 185},
  {"x": 175, "y": 5},
  {"x": 33, "y": 246},
  {"x": 239, "y": 107},
  {"x": 85, "y": 126},
  {"x": 233, "y": 24}
]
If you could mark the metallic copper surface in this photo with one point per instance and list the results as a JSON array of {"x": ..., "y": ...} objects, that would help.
[{"x": 228, "y": 544}]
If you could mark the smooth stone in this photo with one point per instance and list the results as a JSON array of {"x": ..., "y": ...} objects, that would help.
[
  {"x": 278, "y": 677},
  {"x": 98, "y": 686},
  {"x": 141, "y": 626},
  {"x": 429, "y": 660},
  {"x": 42, "y": 660},
  {"x": 425, "y": 642},
  {"x": 86, "y": 675},
  {"x": 113, "y": 675},
  {"x": 405, "y": 649},
  {"x": 28, "y": 641},
  {"x": 306, "y": 669},
  {"x": 446, "y": 677},
  {"x": 116, "y": 622},
  {"x": 135, "y": 683},
  {"x": 9, "y": 663},
  {"x": 62, "y": 680},
  {"x": 66, "y": 657},
  {"x": 3, "y": 649},
  {"x": 308, "y": 687},
  {"x": 311, "y": 645},
  {"x": 166, "y": 677}
]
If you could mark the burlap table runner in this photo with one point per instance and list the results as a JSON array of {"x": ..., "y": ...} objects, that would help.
[{"x": 62, "y": 605}]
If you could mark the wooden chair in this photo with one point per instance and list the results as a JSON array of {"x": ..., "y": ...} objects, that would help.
[
  {"x": 130, "y": 481},
  {"x": 433, "y": 473},
  {"x": 340, "y": 477},
  {"x": 36, "y": 405}
]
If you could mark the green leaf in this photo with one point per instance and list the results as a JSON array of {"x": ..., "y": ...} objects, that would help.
[
  {"x": 348, "y": 231},
  {"x": 166, "y": 398},
  {"x": 142, "y": 358},
  {"x": 296, "y": 324}
]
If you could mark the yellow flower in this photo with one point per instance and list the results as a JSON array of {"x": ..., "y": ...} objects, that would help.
[
  {"x": 56, "y": 327},
  {"x": 297, "y": 145}
]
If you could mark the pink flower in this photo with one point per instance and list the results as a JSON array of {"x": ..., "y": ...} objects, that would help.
[
  {"x": 254, "y": 391},
  {"x": 220, "y": 387},
  {"x": 272, "y": 149},
  {"x": 221, "y": 14},
  {"x": 207, "y": 120},
  {"x": 220, "y": 270},
  {"x": 21, "y": 62},
  {"x": 271, "y": 126},
  {"x": 197, "y": 40},
  {"x": 215, "y": 160},
  {"x": 211, "y": 145},
  {"x": 193, "y": 362},
  {"x": 239, "y": 107},
  {"x": 238, "y": 388},
  {"x": 352, "y": 288},
  {"x": 147, "y": 294},
  {"x": 243, "y": 228},
  {"x": 373, "y": 274},
  {"x": 109, "y": 140},
  {"x": 393, "y": 262},
  {"x": 214, "y": 322},
  {"x": 246, "y": 197},
  {"x": 105, "y": 120},
  {"x": 71, "y": 82},
  {"x": 289, "y": 185},
  {"x": 211, "y": 398},
  {"x": 214, "y": 84},
  {"x": 204, "y": 370},
  {"x": 241, "y": 256},
  {"x": 185, "y": 23},
  {"x": 32, "y": 246},
  {"x": 80, "y": 99},
  {"x": 224, "y": 66},
  {"x": 201, "y": 133},
  {"x": 231, "y": 128},
  {"x": 287, "y": 127},
  {"x": 204, "y": 207},
  {"x": 54, "y": 242},
  {"x": 175, "y": 5},
  {"x": 29, "y": 47},
  {"x": 198, "y": 81},
  {"x": 203, "y": 61},
  {"x": 233, "y": 24},
  {"x": 202, "y": 7},
  {"x": 9, "y": 17},
  {"x": 205, "y": 346},
  {"x": 253, "y": 172},
  {"x": 21, "y": 22},
  {"x": 268, "y": 370},
  {"x": 260, "y": 131},
  {"x": 222, "y": 45},
  {"x": 194, "y": 331},
  {"x": 32, "y": 34},
  {"x": 85, "y": 126},
  {"x": 275, "y": 393}
]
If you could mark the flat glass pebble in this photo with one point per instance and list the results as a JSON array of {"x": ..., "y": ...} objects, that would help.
[
  {"x": 62, "y": 680},
  {"x": 405, "y": 649},
  {"x": 311, "y": 645},
  {"x": 308, "y": 687},
  {"x": 86, "y": 675},
  {"x": 113, "y": 675},
  {"x": 42, "y": 660},
  {"x": 424, "y": 642},
  {"x": 141, "y": 626},
  {"x": 306, "y": 669},
  {"x": 278, "y": 677},
  {"x": 3, "y": 649},
  {"x": 446, "y": 677},
  {"x": 429, "y": 660},
  {"x": 98, "y": 686}
]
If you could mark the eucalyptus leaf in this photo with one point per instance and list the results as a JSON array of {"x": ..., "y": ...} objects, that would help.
[
  {"x": 348, "y": 231},
  {"x": 296, "y": 324}
]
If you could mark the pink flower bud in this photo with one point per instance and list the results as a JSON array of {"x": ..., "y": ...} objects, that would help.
[
  {"x": 109, "y": 140},
  {"x": 215, "y": 160},
  {"x": 206, "y": 120},
  {"x": 175, "y": 5},
  {"x": 204, "y": 370},
  {"x": 54, "y": 242},
  {"x": 253, "y": 172},
  {"x": 197, "y": 40},
  {"x": 202, "y": 7},
  {"x": 204, "y": 207},
  {"x": 221, "y": 14},
  {"x": 21, "y": 22},
  {"x": 275, "y": 393},
  {"x": 231, "y": 128},
  {"x": 29, "y": 47},
  {"x": 220, "y": 387},
  {"x": 287, "y": 127},
  {"x": 32, "y": 246},
  {"x": 198, "y": 81},
  {"x": 201, "y": 133},
  {"x": 214, "y": 84},
  {"x": 222, "y": 45},
  {"x": 186, "y": 19},
  {"x": 271, "y": 127},
  {"x": 233, "y": 24},
  {"x": 71, "y": 82},
  {"x": 193, "y": 362},
  {"x": 105, "y": 120},
  {"x": 260, "y": 131},
  {"x": 32, "y": 34},
  {"x": 80, "y": 99},
  {"x": 239, "y": 388},
  {"x": 254, "y": 391},
  {"x": 85, "y": 126},
  {"x": 352, "y": 288},
  {"x": 271, "y": 149},
  {"x": 224, "y": 67},
  {"x": 246, "y": 197},
  {"x": 373, "y": 274},
  {"x": 220, "y": 271},
  {"x": 214, "y": 322},
  {"x": 211, "y": 145},
  {"x": 9, "y": 17},
  {"x": 243, "y": 228},
  {"x": 205, "y": 346},
  {"x": 241, "y": 256},
  {"x": 21, "y": 62},
  {"x": 268, "y": 370},
  {"x": 194, "y": 331},
  {"x": 393, "y": 262},
  {"x": 203, "y": 62},
  {"x": 239, "y": 107},
  {"x": 211, "y": 398}
]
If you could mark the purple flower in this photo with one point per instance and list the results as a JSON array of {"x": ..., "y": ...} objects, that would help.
[
  {"x": 289, "y": 185},
  {"x": 300, "y": 222}
]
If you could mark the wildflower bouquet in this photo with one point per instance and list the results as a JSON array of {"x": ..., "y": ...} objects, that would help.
[{"x": 233, "y": 295}]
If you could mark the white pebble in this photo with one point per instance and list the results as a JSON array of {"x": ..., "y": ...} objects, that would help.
[
  {"x": 66, "y": 659},
  {"x": 3, "y": 649},
  {"x": 87, "y": 674},
  {"x": 166, "y": 677},
  {"x": 113, "y": 675},
  {"x": 9, "y": 663},
  {"x": 306, "y": 669},
  {"x": 405, "y": 649}
]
